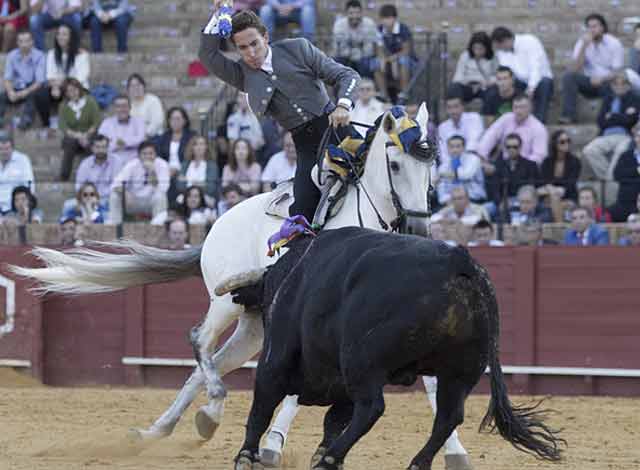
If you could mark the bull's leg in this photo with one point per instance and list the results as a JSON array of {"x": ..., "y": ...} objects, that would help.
[
  {"x": 245, "y": 342},
  {"x": 455, "y": 455},
  {"x": 450, "y": 404},
  {"x": 335, "y": 421},
  {"x": 271, "y": 453}
]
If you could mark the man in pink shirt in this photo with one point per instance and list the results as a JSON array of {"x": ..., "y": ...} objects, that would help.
[
  {"x": 143, "y": 183},
  {"x": 532, "y": 132},
  {"x": 125, "y": 132}
]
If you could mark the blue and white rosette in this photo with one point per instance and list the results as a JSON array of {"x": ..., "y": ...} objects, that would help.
[{"x": 224, "y": 20}]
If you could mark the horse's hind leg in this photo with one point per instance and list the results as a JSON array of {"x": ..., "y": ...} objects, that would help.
[
  {"x": 455, "y": 455},
  {"x": 335, "y": 421}
]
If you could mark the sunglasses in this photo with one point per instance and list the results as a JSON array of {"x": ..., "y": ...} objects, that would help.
[
  {"x": 92, "y": 194},
  {"x": 512, "y": 147}
]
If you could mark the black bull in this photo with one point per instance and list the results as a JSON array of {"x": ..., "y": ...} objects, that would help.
[{"x": 352, "y": 310}]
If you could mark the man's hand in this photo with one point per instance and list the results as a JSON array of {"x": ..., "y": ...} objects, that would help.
[
  {"x": 120, "y": 144},
  {"x": 587, "y": 39},
  {"x": 12, "y": 95},
  {"x": 339, "y": 117},
  {"x": 595, "y": 81}
]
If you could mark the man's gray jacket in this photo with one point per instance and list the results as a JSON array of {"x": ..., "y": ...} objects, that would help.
[{"x": 299, "y": 70}]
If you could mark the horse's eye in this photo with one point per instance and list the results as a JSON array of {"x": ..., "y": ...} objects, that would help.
[{"x": 395, "y": 167}]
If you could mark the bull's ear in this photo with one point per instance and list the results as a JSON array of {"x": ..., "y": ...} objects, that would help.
[
  {"x": 389, "y": 122},
  {"x": 423, "y": 119}
]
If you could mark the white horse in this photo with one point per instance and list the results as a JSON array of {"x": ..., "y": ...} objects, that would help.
[{"x": 237, "y": 243}]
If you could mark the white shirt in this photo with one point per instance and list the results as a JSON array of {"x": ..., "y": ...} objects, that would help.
[
  {"x": 16, "y": 172},
  {"x": 196, "y": 173},
  {"x": 246, "y": 126},
  {"x": 150, "y": 110},
  {"x": 278, "y": 169},
  {"x": 601, "y": 58},
  {"x": 80, "y": 70},
  {"x": 267, "y": 65},
  {"x": 470, "y": 176},
  {"x": 470, "y": 126},
  {"x": 174, "y": 157},
  {"x": 367, "y": 113},
  {"x": 528, "y": 60}
]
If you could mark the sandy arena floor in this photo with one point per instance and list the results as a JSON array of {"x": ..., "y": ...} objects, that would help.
[{"x": 68, "y": 429}]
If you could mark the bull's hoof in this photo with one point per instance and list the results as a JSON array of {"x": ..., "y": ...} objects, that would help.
[
  {"x": 457, "y": 462},
  {"x": 317, "y": 457},
  {"x": 151, "y": 434},
  {"x": 270, "y": 458},
  {"x": 205, "y": 425},
  {"x": 248, "y": 461},
  {"x": 328, "y": 463}
]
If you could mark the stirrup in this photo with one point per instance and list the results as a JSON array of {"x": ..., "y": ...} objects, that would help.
[{"x": 320, "y": 216}]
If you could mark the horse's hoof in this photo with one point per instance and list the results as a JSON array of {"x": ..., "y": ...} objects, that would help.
[
  {"x": 317, "y": 457},
  {"x": 205, "y": 425},
  {"x": 457, "y": 462},
  {"x": 150, "y": 434},
  {"x": 270, "y": 458}
]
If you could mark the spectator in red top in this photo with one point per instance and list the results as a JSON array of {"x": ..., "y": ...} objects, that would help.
[
  {"x": 12, "y": 18},
  {"x": 588, "y": 198}
]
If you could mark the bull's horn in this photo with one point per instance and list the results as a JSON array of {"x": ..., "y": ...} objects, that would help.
[{"x": 239, "y": 280}]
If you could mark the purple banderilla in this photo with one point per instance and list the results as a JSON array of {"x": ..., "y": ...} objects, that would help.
[{"x": 291, "y": 228}]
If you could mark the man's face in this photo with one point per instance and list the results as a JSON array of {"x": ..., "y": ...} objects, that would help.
[
  {"x": 388, "y": 22},
  {"x": 122, "y": 109},
  {"x": 455, "y": 147},
  {"x": 25, "y": 42},
  {"x": 21, "y": 201},
  {"x": 68, "y": 232},
  {"x": 596, "y": 29},
  {"x": 459, "y": 200},
  {"x": 482, "y": 236},
  {"x": 504, "y": 80},
  {"x": 252, "y": 46},
  {"x": 289, "y": 147},
  {"x": 586, "y": 199},
  {"x": 527, "y": 203},
  {"x": 504, "y": 45},
  {"x": 455, "y": 109},
  {"x": 366, "y": 91},
  {"x": 620, "y": 86},
  {"x": 512, "y": 146},
  {"x": 6, "y": 149},
  {"x": 355, "y": 16},
  {"x": 177, "y": 234},
  {"x": 99, "y": 148},
  {"x": 232, "y": 198},
  {"x": 148, "y": 154},
  {"x": 580, "y": 220},
  {"x": 522, "y": 109}
]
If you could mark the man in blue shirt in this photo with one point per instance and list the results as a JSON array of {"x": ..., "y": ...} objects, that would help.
[{"x": 282, "y": 12}]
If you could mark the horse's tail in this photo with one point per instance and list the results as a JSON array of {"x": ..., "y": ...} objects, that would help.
[
  {"x": 87, "y": 271},
  {"x": 522, "y": 426}
]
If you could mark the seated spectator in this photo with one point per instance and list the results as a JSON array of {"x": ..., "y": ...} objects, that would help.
[
  {"x": 618, "y": 115},
  {"x": 178, "y": 235},
  {"x": 273, "y": 135},
  {"x": 281, "y": 166},
  {"x": 438, "y": 233},
  {"x": 68, "y": 229},
  {"x": 524, "y": 54},
  {"x": 110, "y": 13},
  {"x": 597, "y": 57},
  {"x": 529, "y": 208},
  {"x": 124, "y": 131},
  {"x": 560, "y": 171},
  {"x": 534, "y": 137},
  {"x": 583, "y": 231},
  {"x": 99, "y": 168},
  {"x": 627, "y": 174},
  {"x": 24, "y": 75},
  {"x": 231, "y": 195},
  {"x": 633, "y": 235},
  {"x": 80, "y": 117},
  {"x": 529, "y": 233},
  {"x": 15, "y": 170},
  {"x": 465, "y": 124},
  {"x": 24, "y": 208},
  {"x": 460, "y": 169},
  {"x": 13, "y": 18},
  {"x": 244, "y": 124},
  {"x": 141, "y": 185},
  {"x": 588, "y": 198},
  {"x": 498, "y": 99},
  {"x": 145, "y": 106},
  {"x": 634, "y": 60},
  {"x": 49, "y": 14},
  {"x": 199, "y": 168},
  {"x": 282, "y": 12},
  {"x": 482, "y": 235},
  {"x": 86, "y": 208},
  {"x": 355, "y": 40},
  {"x": 242, "y": 168},
  {"x": 172, "y": 143},
  {"x": 192, "y": 207},
  {"x": 65, "y": 60},
  {"x": 367, "y": 107},
  {"x": 253, "y": 5},
  {"x": 476, "y": 68},
  {"x": 460, "y": 209},
  {"x": 395, "y": 56}
]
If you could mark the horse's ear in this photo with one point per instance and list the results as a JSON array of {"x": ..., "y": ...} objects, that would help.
[
  {"x": 423, "y": 119},
  {"x": 388, "y": 122}
]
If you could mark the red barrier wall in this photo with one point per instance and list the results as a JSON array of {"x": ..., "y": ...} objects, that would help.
[{"x": 560, "y": 306}]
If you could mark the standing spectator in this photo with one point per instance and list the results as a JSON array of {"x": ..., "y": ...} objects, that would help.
[
  {"x": 281, "y": 166},
  {"x": 476, "y": 69},
  {"x": 231, "y": 195},
  {"x": 281, "y": 12},
  {"x": 143, "y": 183},
  {"x": 124, "y": 131},
  {"x": 65, "y": 60},
  {"x": 583, "y": 231},
  {"x": 24, "y": 208},
  {"x": 627, "y": 174},
  {"x": 618, "y": 115},
  {"x": 560, "y": 171},
  {"x": 633, "y": 235},
  {"x": 465, "y": 124},
  {"x": 145, "y": 106},
  {"x": 396, "y": 56},
  {"x": 13, "y": 18},
  {"x": 460, "y": 209},
  {"x": 355, "y": 40},
  {"x": 15, "y": 170},
  {"x": 100, "y": 168},
  {"x": 367, "y": 107},
  {"x": 178, "y": 235},
  {"x": 597, "y": 57},
  {"x": 460, "y": 169},
  {"x": 524, "y": 54},
  {"x": 498, "y": 99},
  {"x": 199, "y": 168},
  {"x": 86, "y": 208},
  {"x": 24, "y": 75},
  {"x": 242, "y": 168},
  {"x": 79, "y": 119},
  {"x": 588, "y": 198},
  {"x": 110, "y": 13},
  {"x": 48, "y": 14},
  {"x": 533, "y": 135},
  {"x": 482, "y": 235},
  {"x": 529, "y": 207},
  {"x": 530, "y": 234},
  {"x": 244, "y": 124}
]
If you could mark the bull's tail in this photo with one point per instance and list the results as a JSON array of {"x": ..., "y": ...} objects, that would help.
[
  {"x": 522, "y": 426},
  {"x": 87, "y": 271}
]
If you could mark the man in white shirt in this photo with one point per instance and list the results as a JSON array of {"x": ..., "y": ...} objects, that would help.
[
  {"x": 15, "y": 170},
  {"x": 460, "y": 209},
  {"x": 281, "y": 166},
  {"x": 243, "y": 124},
  {"x": 482, "y": 235},
  {"x": 460, "y": 169},
  {"x": 367, "y": 108},
  {"x": 524, "y": 54},
  {"x": 597, "y": 56},
  {"x": 48, "y": 14},
  {"x": 465, "y": 124}
]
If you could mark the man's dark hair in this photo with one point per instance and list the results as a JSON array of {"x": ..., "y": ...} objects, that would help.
[
  {"x": 24, "y": 31},
  {"x": 457, "y": 137},
  {"x": 99, "y": 138},
  {"x": 501, "y": 33},
  {"x": 483, "y": 223},
  {"x": 514, "y": 136},
  {"x": 353, "y": 4},
  {"x": 521, "y": 97},
  {"x": 504, "y": 68},
  {"x": 232, "y": 187},
  {"x": 122, "y": 97},
  {"x": 388, "y": 11},
  {"x": 589, "y": 189},
  {"x": 454, "y": 95},
  {"x": 146, "y": 144},
  {"x": 582, "y": 208},
  {"x": 246, "y": 19},
  {"x": 599, "y": 18}
]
